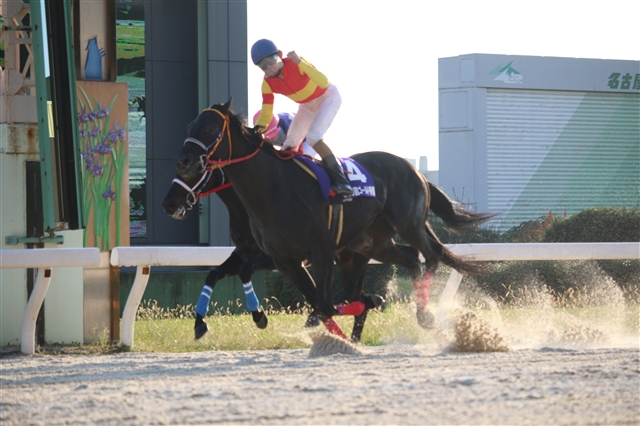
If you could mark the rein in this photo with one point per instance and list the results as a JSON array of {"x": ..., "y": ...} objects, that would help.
[
  {"x": 207, "y": 164},
  {"x": 226, "y": 127}
]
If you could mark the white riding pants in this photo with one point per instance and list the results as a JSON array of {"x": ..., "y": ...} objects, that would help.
[{"x": 313, "y": 119}]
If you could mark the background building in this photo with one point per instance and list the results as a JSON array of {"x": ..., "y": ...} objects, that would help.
[
  {"x": 523, "y": 135},
  {"x": 184, "y": 56}
]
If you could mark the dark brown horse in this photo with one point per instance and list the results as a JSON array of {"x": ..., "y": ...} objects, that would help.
[
  {"x": 289, "y": 216},
  {"x": 247, "y": 258}
]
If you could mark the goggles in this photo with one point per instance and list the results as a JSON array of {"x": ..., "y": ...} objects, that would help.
[{"x": 268, "y": 61}]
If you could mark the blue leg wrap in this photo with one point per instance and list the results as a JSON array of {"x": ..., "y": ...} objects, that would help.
[
  {"x": 203, "y": 303},
  {"x": 252, "y": 299}
]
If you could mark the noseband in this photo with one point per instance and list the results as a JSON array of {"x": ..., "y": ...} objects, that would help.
[{"x": 196, "y": 192}]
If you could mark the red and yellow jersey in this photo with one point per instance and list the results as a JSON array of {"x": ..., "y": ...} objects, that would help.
[{"x": 300, "y": 83}]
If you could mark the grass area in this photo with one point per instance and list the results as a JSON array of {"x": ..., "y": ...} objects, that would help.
[
  {"x": 130, "y": 39},
  {"x": 396, "y": 324},
  {"x": 285, "y": 331},
  {"x": 171, "y": 330}
]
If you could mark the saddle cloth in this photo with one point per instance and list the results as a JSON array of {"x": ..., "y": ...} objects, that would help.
[{"x": 359, "y": 178}]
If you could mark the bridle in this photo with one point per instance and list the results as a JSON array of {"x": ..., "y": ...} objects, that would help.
[
  {"x": 207, "y": 165},
  {"x": 205, "y": 161},
  {"x": 195, "y": 192}
]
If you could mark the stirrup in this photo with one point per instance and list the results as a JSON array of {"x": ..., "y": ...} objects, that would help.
[{"x": 341, "y": 189}]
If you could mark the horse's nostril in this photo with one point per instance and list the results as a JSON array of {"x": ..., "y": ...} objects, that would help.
[{"x": 185, "y": 162}]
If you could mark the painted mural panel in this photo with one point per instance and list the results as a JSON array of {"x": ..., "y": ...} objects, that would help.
[{"x": 103, "y": 127}]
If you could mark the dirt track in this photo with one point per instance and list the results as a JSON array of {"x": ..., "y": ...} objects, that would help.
[{"x": 396, "y": 384}]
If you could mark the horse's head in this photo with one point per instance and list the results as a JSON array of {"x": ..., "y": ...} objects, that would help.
[
  {"x": 204, "y": 135},
  {"x": 183, "y": 194},
  {"x": 217, "y": 138}
]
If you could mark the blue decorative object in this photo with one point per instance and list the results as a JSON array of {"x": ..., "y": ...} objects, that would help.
[{"x": 93, "y": 67}]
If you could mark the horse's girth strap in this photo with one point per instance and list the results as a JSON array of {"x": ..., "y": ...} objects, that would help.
[
  {"x": 335, "y": 214},
  {"x": 335, "y": 220}
]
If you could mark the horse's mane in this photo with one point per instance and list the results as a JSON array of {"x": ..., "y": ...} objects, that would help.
[{"x": 238, "y": 123}]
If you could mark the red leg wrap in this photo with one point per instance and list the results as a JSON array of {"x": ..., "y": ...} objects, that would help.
[
  {"x": 334, "y": 328},
  {"x": 353, "y": 308},
  {"x": 421, "y": 289}
]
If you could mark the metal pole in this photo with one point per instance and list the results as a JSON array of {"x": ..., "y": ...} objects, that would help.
[
  {"x": 39, "y": 48},
  {"x": 203, "y": 102}
]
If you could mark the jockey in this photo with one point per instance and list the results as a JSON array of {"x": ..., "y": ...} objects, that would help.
[
  {"x": 276, "y": 131},
  {"x": 319, "y": 102}
]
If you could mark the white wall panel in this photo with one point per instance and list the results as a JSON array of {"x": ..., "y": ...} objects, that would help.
[{"x": 555, "y": 150}]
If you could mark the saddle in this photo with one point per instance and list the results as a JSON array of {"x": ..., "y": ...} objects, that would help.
[{"x": 359, "y": 178}]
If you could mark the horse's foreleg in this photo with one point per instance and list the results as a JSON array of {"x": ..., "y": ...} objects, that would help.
[
  {"x": 299, "y": 276},
  {"x": 228, "y": 268},
  {"x": 262, "y": 262},
  {"x": 322, "y": 261},
  {"x": 358, "y": 326},
  {"x": 352, "y": 276}
]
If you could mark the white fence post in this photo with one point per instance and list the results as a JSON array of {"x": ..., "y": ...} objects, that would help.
[
  {"x": 28, "y": 337},
  {"x": 44, "y": 260},
  {"x": 133, "y": 302},
  {"x": 143, "y": 258},
  {"x": 446, "y": 299}
]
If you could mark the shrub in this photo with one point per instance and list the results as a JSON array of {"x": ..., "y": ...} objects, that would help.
[
  {"x": 563, "y": 277},
  {"x": 470, "y": 234},
  {"x": 602, "y": 224},
  {"x": 531, "y": 231}
]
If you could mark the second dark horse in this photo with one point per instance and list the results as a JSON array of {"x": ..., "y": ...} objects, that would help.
[{"x": 247, "y": 257}]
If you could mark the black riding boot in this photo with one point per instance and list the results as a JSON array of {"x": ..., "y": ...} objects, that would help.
[{"x": 339, "y": 183}]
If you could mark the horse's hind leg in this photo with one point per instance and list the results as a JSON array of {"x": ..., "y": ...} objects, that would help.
[{"x": 408, "y": 257}]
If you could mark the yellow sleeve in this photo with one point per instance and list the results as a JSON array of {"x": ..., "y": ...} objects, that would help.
[
  {"x": 266, "y": 112},
  {"x": 316, "y": 76}
]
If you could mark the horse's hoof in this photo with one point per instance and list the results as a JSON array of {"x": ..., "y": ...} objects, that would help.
[
  {"x": 372, "y": 301},
  {"x": 260, "y": 319},
  {"x": 312, "y": 321},
  {"x": 201, "y": 330},
  {"x": 425, "y": 318}
]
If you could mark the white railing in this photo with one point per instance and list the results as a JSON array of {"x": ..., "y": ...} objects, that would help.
[
  {"x": 528, "y": 251},
  {"x": 44, "y": 260},
  {"x": 145, "y": 257}
]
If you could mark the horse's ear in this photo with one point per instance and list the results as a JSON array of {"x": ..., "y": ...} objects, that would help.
[{"x": 226, "y": 106}]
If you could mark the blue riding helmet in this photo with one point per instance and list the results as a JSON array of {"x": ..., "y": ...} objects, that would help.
[{"x": 261, "y": 49}]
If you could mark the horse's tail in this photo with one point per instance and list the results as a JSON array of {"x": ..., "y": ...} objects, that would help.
[
  {"x": 451, "y": 259},
  {"x": 444, "y": 208}
]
